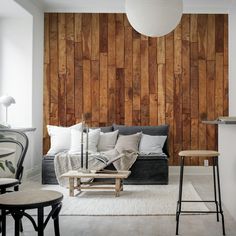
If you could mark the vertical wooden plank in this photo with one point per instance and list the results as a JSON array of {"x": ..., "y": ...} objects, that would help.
[
  {"x": 111, "y": 40},
  {"x": 211, "y": 130},
  {"x": 144, "y": 82},
  {"x": 46, "y": 85},
  {"x": 128, "y": 76},
  {"x": 95, "y": 37},
  {"x": 211, "y": 37},
  {"x": 86, "y": 35},
  {"x": 202, "y": 106},
  {"x": 219, "y": 32},
  {"x": 53, "y": 69},
  {"x": 120, "y": 96},
  {"x": 161, "y": 50},
  {"x": 161, "y": 60},
  {"x": 226, "y": 62},
  {"x": 70, "y": 72},
  {"x": 161, "y": 94},
  {"x": 219, "y": 85},
  {"x": 95, "y": 93},
  {"x": 103, "y": 33},
  {"x": 62, "y": 68},
  {"x": 186, "y": 83},
  {"x": 152, "y": 64},
  {"x": 78, "y": 67},
  {"x": 120, "y": 41},
  {"x": 111, "y": 95},
  {"x": 78, "y": 27},
  {"x": 87, "y": 102},
  {"x": 177, "y": 93},
  {"x": 136, "y": 78},
  {"x": 202, "y": 36},
  {"x": 103, "y": 88},
  {"x": 170, "y": 92}
]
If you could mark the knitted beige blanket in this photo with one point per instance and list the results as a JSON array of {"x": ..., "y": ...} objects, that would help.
[{"x": 65, "y": 162}]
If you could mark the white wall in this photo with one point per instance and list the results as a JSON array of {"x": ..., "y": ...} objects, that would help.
[
  {"x": 16, "y": 68},
  {"x": 37, "y": 79},
  {"x": 232, "y": 59}
]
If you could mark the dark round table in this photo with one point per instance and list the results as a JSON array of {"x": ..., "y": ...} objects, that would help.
[{"x": 16, "y": 203}]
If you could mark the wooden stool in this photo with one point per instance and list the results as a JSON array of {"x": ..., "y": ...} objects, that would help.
[
  {"x": 16, "y": 203},
  {"x": 200, "y": 153}
]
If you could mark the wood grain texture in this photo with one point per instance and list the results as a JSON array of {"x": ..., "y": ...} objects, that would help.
[{"x": 97, "y": 64}]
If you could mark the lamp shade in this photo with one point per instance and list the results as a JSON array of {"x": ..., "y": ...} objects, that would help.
[
  {"x": 154, "y": 18},
  {"x": 6, "y": 101}
]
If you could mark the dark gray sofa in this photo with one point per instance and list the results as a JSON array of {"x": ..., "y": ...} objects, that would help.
[{"x": 148, "y": 169}]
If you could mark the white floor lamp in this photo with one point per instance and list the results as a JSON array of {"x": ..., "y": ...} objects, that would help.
[{"x": 6, "y": 101}]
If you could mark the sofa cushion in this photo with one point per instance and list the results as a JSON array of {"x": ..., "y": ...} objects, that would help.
[
  {"x": 93, "y": 138},
  {"x": 150, "y": 130},
  {"x": 152, "y": 143},
  {"x": 128, "y": 142},
  {"x": 60, "y": 138},
  {"x": 107, "y": 141}
]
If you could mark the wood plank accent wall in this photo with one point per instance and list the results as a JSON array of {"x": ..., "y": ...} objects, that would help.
[{"x": 98, "y": 65}]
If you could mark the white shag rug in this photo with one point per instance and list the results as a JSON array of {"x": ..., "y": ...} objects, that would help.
[{"x": 135, "y": 200}]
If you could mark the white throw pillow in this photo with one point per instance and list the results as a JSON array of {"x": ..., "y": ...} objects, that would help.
[
  {"x": 93, "y": 137},
  {"x": 151, "y": 144},
  {"x": 107, "y": 141},
  {"x": 60, "y": 138}
]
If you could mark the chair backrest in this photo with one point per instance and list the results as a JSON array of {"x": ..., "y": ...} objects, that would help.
[{"x": 21, "y": 140}]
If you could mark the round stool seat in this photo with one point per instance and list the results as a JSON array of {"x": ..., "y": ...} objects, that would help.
[
  {"x": 8, "y": 182},
  {"x": 16, "y": 203},
  {"x": 30, "y": 199},
  {"x": 199, "y": 153}
]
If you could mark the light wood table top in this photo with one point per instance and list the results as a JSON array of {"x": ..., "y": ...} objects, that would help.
[
  {"x": 112, "y": 174},
  {"x": 4, "y": 152},
  {"x": 198, "y": 153}
]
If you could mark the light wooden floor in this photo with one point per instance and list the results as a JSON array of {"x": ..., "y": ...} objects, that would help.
[{"x": 200, "y": 225}]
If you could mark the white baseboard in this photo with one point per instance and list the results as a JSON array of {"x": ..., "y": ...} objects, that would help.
[
  {"x": 32, "y": 172},
  {"x": 191, "y": 170}
]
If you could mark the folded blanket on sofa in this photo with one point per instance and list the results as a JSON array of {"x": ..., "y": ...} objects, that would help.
[{"x": 65, "y": 162}]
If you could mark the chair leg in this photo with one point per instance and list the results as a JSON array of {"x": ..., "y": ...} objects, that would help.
[
  {"x": 179, "y": 203},
  {"x": 55, "y": 218},
  {"x": 215, "y": 194},
  {"x": 219, "y": 194},
  {"x": 3, "y": 223},
  {"x": 40, "y": 221}
]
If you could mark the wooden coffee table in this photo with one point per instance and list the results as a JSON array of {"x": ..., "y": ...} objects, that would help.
[{"x": 75, "y": 181}]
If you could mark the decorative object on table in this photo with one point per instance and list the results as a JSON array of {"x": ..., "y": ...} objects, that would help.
[
  {"x": 82, "y": 143},
  {"x": 7, "y": 101},
  {"x": 87, "y": 142},
  {"x": 154, "y": 18}
]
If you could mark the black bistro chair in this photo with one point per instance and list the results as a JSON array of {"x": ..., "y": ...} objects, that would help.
[{"x": 18, "y": 143}]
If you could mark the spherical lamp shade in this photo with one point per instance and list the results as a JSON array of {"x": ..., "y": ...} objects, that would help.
[
  {"x": 6, "y": 101},
  {"x": 154, "y": 18}
]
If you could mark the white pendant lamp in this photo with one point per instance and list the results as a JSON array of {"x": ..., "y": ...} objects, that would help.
[{"x": 154, "y": 18}]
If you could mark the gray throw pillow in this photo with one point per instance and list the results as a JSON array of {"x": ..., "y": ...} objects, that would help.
[
  {"x": 128, "y": 142},
  {"x": 107, "y": 141},
  {"x": 151, "y": 144}
]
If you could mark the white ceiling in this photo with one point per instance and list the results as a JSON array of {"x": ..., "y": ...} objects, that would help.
[
  {"x": 9, "y": 8},
  {"x": 119, "y": 5}
]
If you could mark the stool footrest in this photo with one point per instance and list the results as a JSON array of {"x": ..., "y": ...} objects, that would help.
[
  {"x": 198, "y": 201},
  {"x": 197, "y": 212}
]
